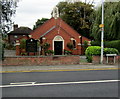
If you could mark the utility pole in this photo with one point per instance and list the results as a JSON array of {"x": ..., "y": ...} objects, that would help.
[{"x": 102, "y": 32}]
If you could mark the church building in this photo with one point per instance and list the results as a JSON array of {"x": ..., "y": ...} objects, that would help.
[{"x": 59, "y": 35}]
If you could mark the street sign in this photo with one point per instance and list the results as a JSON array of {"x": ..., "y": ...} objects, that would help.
[{"x": 101, "y": 25}]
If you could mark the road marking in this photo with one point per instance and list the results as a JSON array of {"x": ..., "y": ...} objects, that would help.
[
  {"x": 58, "y": 83},
  {"x": 60, "y": 70},
  {"x": 21, "y": 83}
]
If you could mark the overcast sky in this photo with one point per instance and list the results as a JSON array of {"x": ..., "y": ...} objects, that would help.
[{"x": 28, "y": 11}]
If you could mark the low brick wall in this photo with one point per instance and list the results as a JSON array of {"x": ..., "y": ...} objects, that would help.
[
  {"x": 96, "y": 60},
  {"x": 43, "y": 60}
]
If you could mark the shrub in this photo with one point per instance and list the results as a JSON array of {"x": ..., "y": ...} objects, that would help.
[
  {"x": 10, "y": 47},
  {"x": 67, "y": 52},
  {"x": 23, "y": 54},
  {"x": 96, "y": 50},
  {"x": 70, "y": 46},
  {"x": 92, "y": 50},
  {"x": 38, "y": 43},
  {"x": 23, "y": 44},
  {"x": 85, "y": 44},
  {"x": 46, "y": 46},
  {"x": 49, "y": 52}
]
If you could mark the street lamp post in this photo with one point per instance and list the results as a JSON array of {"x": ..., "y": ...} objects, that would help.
[{"x": 102, "y": 32}]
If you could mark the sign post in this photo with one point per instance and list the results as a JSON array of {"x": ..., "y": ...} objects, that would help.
[
  {"x": 31, "y": 45},
  {"x": 102, "y": 32}
]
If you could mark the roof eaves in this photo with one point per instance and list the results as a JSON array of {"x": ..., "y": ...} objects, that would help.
[{"x": 48, "y": 31}]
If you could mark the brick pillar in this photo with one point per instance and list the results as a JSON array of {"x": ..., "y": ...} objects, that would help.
[
  {"x": 17, "y": 47},
  {"x": 43, "y": 42},
  {"x": 79, "y": 49},
  {"x": 79, "y": 45}
]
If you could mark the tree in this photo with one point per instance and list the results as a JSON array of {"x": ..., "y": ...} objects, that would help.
[
  {"x": 1, "y": 49},
  {"x": 77, "y": 15},
  {"x": 39, "y": 22},
  {"x": 7, "y": 10},
  {"x": 111, "y": 22}
]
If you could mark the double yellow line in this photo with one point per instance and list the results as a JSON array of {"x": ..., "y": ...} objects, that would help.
[{"x": 59, "y": 70}]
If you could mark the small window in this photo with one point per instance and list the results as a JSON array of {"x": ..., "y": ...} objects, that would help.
[
  {"x": 74, "y": 43},
  {"x": 15, "y": 36}
]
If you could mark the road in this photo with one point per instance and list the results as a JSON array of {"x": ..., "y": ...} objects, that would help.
[{"x": 93, "y": 83}]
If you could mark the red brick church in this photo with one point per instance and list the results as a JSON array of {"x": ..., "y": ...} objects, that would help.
[{"x": 58, "y": 34}]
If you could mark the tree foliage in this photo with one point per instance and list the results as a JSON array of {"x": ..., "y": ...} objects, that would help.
[
  {"x": 77, "y": 15},
  {"x": 7, "y": 10},
  {"x": 39, "y": 22},
  {"x": 111, "y": 22}
]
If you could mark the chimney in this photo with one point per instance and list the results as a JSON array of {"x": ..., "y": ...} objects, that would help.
[{"x": 15, "y": 26}]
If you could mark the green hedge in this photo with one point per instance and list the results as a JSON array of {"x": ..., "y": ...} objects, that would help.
[
  {"x": 108, "y": 44},
  {"x": 113, "y": 44},
  {"x": 110, "y": 51},
  {"x": 96, "y": 50}
]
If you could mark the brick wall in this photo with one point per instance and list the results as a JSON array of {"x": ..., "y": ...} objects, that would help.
[
  {"x": 45, "y": 60},
  {"x": 96, "y": 60}
]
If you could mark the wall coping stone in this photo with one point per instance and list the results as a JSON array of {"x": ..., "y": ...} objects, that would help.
[{"x": 39, "y": 56}]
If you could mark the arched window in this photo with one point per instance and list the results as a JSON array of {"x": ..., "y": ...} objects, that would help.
[
  {"x": 74, "y": 43},
  {"x": 58, "y": 38}
]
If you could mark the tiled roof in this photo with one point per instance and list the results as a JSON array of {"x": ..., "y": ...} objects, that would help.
[
  {"x": 21, "y": 30},
  {"x": 48, "y": 31}
]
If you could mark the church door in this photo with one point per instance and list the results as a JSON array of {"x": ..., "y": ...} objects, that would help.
[{"x": 58, "y": 46}]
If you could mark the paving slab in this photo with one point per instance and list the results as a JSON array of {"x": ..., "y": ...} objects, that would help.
[{"x": 58, "y": 67}]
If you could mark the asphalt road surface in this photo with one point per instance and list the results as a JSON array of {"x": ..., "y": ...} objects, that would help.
[{"x": 94, "y": 83}]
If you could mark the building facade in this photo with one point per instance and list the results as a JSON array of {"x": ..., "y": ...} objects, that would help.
[
  {"x": 18, "y": 32},
  {"x": 60, "y": 36}
]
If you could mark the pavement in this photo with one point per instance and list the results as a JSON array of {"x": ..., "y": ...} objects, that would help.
[{"x": 13, "y": 69}]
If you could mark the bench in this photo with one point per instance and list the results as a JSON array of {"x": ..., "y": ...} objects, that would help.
[{"x": 111, "y": 55}]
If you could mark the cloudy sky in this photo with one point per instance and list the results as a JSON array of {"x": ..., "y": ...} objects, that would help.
[{"x": 28, "y": 11}]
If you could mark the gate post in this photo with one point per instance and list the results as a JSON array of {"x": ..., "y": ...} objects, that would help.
[{"x": 17, "y": 47}]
